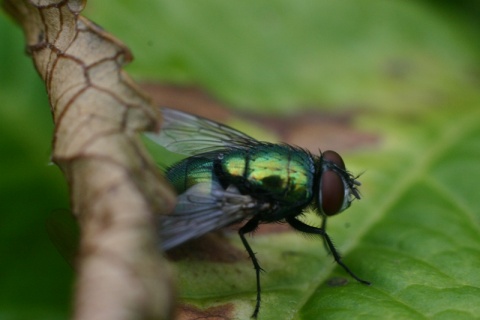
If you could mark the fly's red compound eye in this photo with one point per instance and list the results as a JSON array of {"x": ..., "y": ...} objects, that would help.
[
  {"x": 332, "y": 187},
  {"x": 334, "y": 157},
  {"x": 332, "y": 192}
]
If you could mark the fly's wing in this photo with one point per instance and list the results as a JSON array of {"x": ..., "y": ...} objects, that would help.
[
  {"x": 203, "y": 208},
  {"x": 189, "y": 135}
]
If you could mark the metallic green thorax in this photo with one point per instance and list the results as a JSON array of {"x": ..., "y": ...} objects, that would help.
[{"x": 279, "y": 173}]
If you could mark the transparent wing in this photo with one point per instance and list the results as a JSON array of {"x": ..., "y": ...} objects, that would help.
[
  {"x": 187, "y": 134},
  {"x": 203, "y": 208}
]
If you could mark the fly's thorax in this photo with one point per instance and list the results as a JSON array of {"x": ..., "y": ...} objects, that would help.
[
  {"x": 336, "y": 187},
  {"x": 234, "y": 163},
  {"x": 282, "y": 173}
]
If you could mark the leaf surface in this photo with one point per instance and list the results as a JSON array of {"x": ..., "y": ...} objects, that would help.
[{"x": 406, "y": 73}]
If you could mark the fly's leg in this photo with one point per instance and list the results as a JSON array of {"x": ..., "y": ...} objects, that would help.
[
  {"x": 300, "y": 226},
  {"x": 250, "y": 226},
  {"x": 325, "y": 243}
]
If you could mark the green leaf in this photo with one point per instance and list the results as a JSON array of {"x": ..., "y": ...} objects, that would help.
[
  {"x": 421, "y": 247},
  {"x": 406, "y": 72},
  {"x": 414, "y": 236}
]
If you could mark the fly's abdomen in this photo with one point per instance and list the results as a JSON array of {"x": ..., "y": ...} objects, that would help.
[
  {"x": 277, "y": 172},
  {"x": 190, "y": 172}
]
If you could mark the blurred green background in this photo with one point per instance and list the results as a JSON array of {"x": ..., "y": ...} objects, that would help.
[
  {"x": 408, "y": 67},
  {"x": 34, "y": 281}
]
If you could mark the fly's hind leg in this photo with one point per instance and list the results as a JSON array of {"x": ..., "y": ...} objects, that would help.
[{"x": 250, "y": 226}]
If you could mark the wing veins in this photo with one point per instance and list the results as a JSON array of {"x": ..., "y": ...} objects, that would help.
[{"x": 190, "y": 135}]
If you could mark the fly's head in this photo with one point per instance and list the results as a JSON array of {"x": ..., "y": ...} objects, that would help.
[{"x": 337, "y": 188}]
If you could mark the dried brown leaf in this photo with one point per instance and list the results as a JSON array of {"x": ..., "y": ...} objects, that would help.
[{"x": 115, "y": 188}]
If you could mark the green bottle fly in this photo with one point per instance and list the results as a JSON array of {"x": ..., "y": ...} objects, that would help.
[{"x": 229, "y": 177}]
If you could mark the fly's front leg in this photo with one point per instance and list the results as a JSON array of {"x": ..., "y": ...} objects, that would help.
[
  {"x": 250, "y": 226},
  {"x": 324, "y": 227},
  {"x": 300, "y": 226}
]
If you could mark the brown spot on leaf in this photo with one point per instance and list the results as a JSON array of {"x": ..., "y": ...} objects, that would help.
[
  {"x": 212, "y": 247},
  {"x": 337, "y": 282},
  {"x": 216, "y": 247},
  {"x": 273, "y": 228},
  {"x": 189, "y": 312},
  {"x": 189, "y": 99},
  {"x": 319, "y": 130}
]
